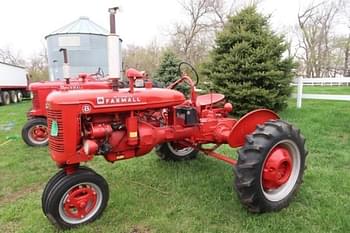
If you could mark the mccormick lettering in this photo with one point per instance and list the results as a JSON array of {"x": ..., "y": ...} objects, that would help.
[
  {"x": 70, "y": 87},
  {"x": 118, "y": 100}
]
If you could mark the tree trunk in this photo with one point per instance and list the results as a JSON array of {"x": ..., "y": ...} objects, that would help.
[{"x": 346, "y": 59}]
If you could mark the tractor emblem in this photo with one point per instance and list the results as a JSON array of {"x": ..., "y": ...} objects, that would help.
[{"x": 86, "y": 108}]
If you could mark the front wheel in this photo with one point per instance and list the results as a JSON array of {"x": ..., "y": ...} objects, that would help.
[
  {"x": 77, "y": 199},
  {"x": 175, "y": 151},
  {"x": 270, "y": 167},
  {"x": 54, "y": 180},
  {"x": 35, "y": 132}
]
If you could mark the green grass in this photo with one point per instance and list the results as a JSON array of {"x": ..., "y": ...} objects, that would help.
[
  {"x": 335, "y": 90},
  {"x": 150, "y": 195}
]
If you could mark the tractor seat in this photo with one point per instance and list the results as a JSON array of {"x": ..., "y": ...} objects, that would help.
[
  {"x": 131, "y": 73},
  {"x": 208, "y": 99}
]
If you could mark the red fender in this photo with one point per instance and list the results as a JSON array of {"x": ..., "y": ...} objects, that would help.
[{"x": 247, "y": 124}]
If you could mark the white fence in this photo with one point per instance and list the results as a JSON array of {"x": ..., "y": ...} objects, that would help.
[
  {"x": 324, "y": 81},
  {"x": 320, "y": 81}
]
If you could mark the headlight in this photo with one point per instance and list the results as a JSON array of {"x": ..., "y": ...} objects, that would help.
[{"x": 90, "y": 147}]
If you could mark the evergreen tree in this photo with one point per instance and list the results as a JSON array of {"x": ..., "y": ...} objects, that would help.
[
  {"x": 168, "y": 72},
  {"x": 247, "y": 64}
]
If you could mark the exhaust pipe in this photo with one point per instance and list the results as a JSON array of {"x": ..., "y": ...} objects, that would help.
[
  {"x": 65, "y": 63},
  {"x": 114, "y": 52}
]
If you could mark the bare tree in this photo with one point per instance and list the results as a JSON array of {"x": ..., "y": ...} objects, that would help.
[
  {"x": 142, "y": 58},
  {"x": 347, "y": 44},
  {"x": 8, "y": 55},
  {"x": 220, "y": 10},
  {"x": 346, "y": 70},
  {"x": 186, "y": 38},
  {"x": 192, "y": 40},
  {"x": 316, "y": 24},
  {"x": 37, "y": 66}
]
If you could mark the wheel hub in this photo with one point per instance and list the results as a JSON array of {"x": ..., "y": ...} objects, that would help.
[
  {"x": 39, "y": 133},
  {"x": 79, "y": 202},
  {"x": 277, "y": 168}
]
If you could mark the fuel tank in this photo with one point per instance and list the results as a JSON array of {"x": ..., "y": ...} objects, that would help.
[{"x": 117, "y": 101}]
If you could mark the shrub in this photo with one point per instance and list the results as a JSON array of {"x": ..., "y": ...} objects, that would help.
[{"x": 247, "y": 64}]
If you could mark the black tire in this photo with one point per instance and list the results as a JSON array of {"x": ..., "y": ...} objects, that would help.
[
  {"x": 68, "y": 193},
  {"x": 255, "y": 191},
  {"x": 13, "y": 97},
  {"x": 168, "y": 151},
  {"x": 35, "y": 132},
  {"x": 19, "y": 96},
  {"x": 54, "y": 180},
  {"x": 5, "y": 96}
]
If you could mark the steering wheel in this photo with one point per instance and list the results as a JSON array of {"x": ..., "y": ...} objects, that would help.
[
  {"x": 192, "y": 69},
  {"x": 99, "y": 74}
]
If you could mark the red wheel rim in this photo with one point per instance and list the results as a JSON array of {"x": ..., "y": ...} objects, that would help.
[
  {"x": 277, "y": 168},
  {"x": 80, "y": 201},
  {"x": 39, "y": 133}
]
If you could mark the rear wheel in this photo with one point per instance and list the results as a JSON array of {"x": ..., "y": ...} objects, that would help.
[
  {"x": 19, "y": 96},
  {"x": 270, "y": 167},
  {"x": 175, "y": 151},
  {"x": 77, "y": 199},
  {"x": 13, "y": 97},
  {"x": 5, "y": 96},
  {"x": 35, "y": 132}
]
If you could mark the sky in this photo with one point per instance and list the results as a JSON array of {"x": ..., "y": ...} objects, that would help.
[{"x": 24, "y": 23}]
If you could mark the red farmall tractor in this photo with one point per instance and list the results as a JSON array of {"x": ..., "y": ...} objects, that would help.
[
  {"x": 126, "y": 123},
  {"x": 34, "y": 131}
]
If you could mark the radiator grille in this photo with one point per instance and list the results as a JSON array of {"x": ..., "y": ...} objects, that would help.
[{"x": 56, "y": 143}]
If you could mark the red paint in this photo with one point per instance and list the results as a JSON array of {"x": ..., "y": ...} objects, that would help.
[
  {"x": 148, "y": 84},
  {"x": 186, "y": 79},
  {"x": 133, "y": 73},
  {"x": 228, "y": 107},
  {"x": 99, "y": 130},
  {"x": 132, "y": 129},
  {"x": 80, "y": 201},
  {"x": 221, "y": 157},
  {"x": 208, "y": 99},
  {"x": 247, "y": 124},
  {"x": 39, "y": 132},
  {"x": 90, "y": 147},
  {"x": 277, "y": 168},
  {"x": 41, "y": 90},
  {"x": 126, "y": 123}
]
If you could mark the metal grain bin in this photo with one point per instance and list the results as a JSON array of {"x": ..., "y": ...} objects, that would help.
[{"x": 86, "y": 44}]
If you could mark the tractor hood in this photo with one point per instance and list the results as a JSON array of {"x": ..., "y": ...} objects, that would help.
[
  {"x": 45, "y": 85},
  {"x": 75, "y": 84},
  {"x": 121, "y": 100}
]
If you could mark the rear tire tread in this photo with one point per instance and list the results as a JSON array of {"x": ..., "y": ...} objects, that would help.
[{"x": 250, "y": 162}]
